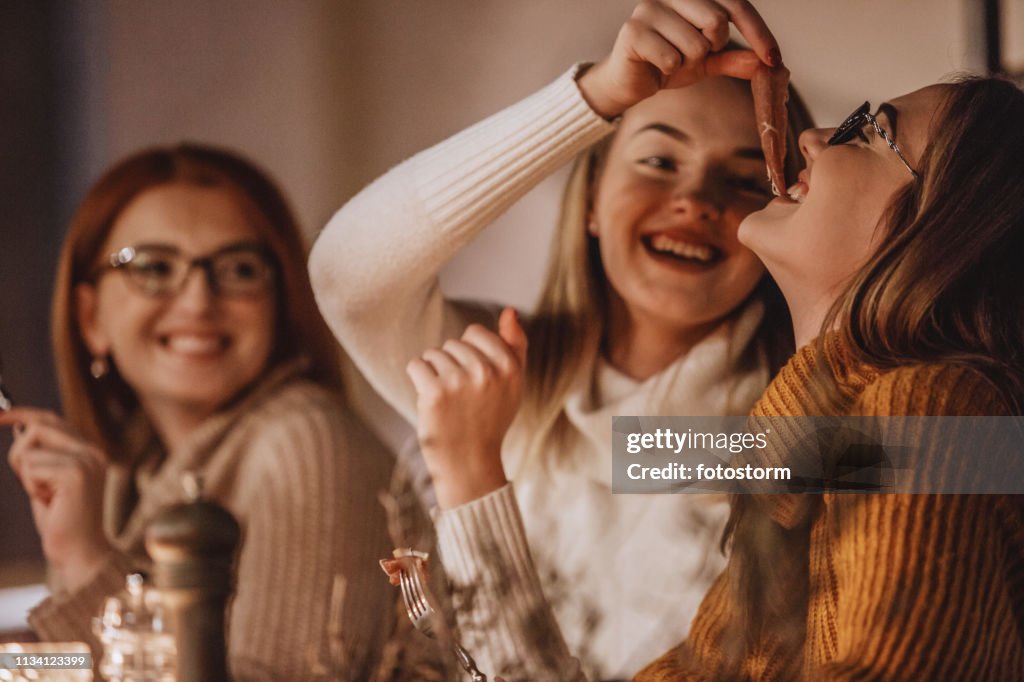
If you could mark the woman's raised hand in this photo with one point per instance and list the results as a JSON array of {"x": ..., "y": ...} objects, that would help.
[
  {"x": 468, "y": 393},
  {"x": 63, "y": 475},
  {"x": 674, "y": 43}
]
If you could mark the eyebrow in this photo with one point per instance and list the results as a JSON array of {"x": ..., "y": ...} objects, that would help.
[
  {"x": 890, "y": 114},
  {"x": 666, "y": 129},
  {"x": 676, "y": 133},
  {"x": 240, "y": 245}
]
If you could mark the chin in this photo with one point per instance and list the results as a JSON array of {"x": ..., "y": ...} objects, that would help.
[
  {"x": 764, "y": 225},
  {"x": 207, "y": 396}
]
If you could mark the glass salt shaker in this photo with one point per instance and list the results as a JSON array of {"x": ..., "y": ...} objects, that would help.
[{"x": 138, "y": 641}]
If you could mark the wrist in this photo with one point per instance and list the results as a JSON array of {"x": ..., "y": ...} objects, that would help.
[
  {"x": 76, "y": 569},
  {"x": 591, "y": 83},
  {"x": 457, "y": 483}
]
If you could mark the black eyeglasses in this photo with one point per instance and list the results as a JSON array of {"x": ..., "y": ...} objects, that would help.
[
  {"x": 852, "y": 127},
  {"x": 241, "y": 269}
]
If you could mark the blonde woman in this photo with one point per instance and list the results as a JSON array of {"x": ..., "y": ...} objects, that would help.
[
  {"x": 896, "y": 251},
  {"x": 651, "y": 306}
]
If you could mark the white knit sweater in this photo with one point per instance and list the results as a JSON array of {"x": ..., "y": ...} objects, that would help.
[{"x": 622, "y": 573}]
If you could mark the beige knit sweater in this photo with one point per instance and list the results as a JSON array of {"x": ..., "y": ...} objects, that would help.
[{"x": 301, "y": 475}]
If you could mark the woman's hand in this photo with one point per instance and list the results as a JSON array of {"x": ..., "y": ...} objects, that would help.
[
  {"x": 63, "y": 475},
  {"x": 468, "y": 393},
  {"x": 672, "y": 44}
]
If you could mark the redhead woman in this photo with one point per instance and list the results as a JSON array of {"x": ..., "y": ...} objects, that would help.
[
  {"x": 187, "y": 339},
  {"x": 651, "y": 306},
  {"x": 894, "y": 250}
]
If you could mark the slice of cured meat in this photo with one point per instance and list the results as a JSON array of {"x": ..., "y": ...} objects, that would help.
[
  {"x": 770, "y": 87},
  {"x": 409, "y": 559}
]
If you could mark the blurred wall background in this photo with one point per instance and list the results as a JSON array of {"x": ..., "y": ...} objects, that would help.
[{"x": 328, "y": 94}]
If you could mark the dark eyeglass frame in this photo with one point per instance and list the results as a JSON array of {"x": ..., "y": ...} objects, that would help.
[
  {"x": 857, "y": 120},
  {"x": 123, "y": 258}
]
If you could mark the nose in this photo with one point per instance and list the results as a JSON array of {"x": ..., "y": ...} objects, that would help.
[
  {"x": 813, "y": 141},
  {"x": 691, "y": 200},
  {"x": 197, "y": 293}
]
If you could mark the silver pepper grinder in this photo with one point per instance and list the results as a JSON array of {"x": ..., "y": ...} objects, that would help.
[{"x": 192, "y": 546}]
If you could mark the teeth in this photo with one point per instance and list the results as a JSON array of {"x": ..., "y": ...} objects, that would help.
[
  {"x": 797, "y": 192},
  {"x": 666, "y": 244},
  {"x": 194, "y": 344}
]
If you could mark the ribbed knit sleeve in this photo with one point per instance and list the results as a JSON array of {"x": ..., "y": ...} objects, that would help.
[
  {"x": 375, "y": 266},
  {"x": 68, "y": 617},
  {"x": 506, "y": 622},
  {"x": 312, "y": 533}
]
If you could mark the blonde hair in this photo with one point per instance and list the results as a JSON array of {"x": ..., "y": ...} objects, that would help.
[{"x": 572, "y": 314}]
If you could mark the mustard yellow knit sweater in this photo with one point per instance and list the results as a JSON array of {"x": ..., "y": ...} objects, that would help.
[{"x": 893, "y": 587}]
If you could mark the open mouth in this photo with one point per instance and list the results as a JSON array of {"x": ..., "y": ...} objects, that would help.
[
  {"x": 683, "y": 251},
  {"x": 797, "y": 192}
]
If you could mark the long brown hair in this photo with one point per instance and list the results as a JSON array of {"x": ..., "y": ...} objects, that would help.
[
  {"x": 99, "y": 408},
  {"x": 572, "y": 316},
  {"x": 945, "y": 284},
  {"x": 942, "y": 287}
]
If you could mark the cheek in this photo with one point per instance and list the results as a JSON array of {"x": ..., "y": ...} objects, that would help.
[
  {"x": 732, "y": 218},
  {"x": 254, "y": 321},
  {"x": 125, "y": 318},
  {"x": 843, "y": 225},
  {"x": 743, "y": 262},
  {"x": 623, "y": 200},
  {"x": 746, "y": 264},
  {"x": 745, "y": 270}
]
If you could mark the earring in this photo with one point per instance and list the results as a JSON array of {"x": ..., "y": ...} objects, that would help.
[
  {"x": 99, "y": 367},
  {"x": 592, "y": 228}
]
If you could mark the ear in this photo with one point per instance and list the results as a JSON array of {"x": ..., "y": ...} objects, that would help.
[{"x": 87, "y": 316}]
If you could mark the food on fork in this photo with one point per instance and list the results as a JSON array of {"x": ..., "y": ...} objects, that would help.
[
  {"x": 393, "y": 567},
  {"x": 770, "y": 88}
]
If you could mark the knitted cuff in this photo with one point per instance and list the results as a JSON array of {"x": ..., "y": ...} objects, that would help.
[{"x": 68, "y": 617}]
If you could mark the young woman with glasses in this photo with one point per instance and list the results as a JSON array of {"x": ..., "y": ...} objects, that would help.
[
  {"x": 650, "y": 306},
  {"x": 187, "y": 340},
  {"x": 897, "y": 252}
]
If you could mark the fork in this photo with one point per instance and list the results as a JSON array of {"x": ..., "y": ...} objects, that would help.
[{"x": 421, "y": 613}]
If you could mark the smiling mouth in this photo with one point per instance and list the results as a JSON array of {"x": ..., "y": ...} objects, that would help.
[
  {"x": 683, "y": 251},
  {"x": 194, "y": 344}
]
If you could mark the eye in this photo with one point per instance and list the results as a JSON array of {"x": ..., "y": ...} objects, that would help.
[
  {"x": 242, "y": 267},
  {"x": 661, "y": 163},
  {"x": 152, "y": 266}
]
